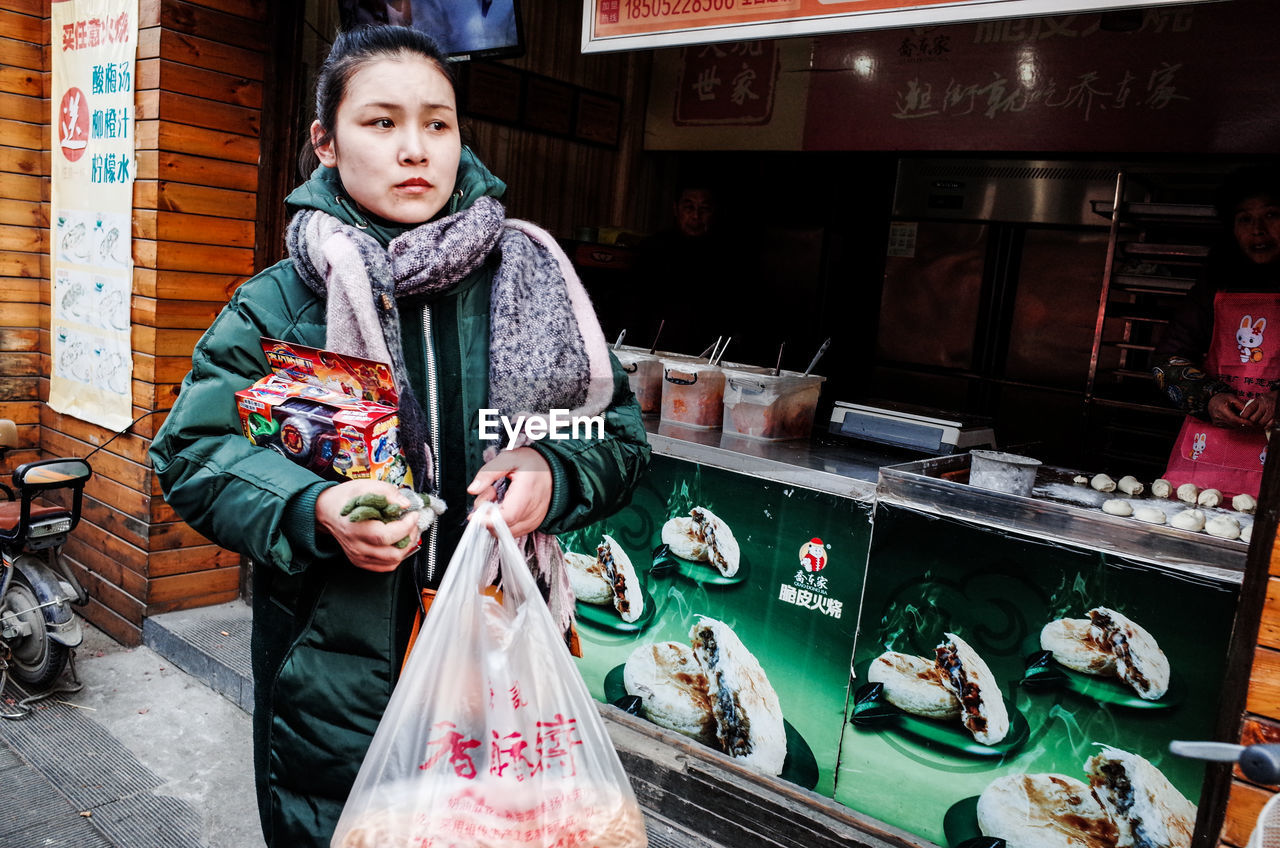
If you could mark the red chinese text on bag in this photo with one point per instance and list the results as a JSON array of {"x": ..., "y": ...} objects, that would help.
[{"x": 491, "y": 739}]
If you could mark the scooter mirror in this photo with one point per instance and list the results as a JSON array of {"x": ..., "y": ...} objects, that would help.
[
  {"x": 8, "y": 433},
  {"x": 58, "y": 473}
]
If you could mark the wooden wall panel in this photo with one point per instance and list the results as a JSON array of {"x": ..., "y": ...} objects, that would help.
[
  {"x": 194, "y": 237},
  {"x": 24, "y": 219},
  {"x": 201, "y": 86}
]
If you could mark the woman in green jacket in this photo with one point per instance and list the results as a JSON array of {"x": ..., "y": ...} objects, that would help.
[{"x": 399, "y": 251}]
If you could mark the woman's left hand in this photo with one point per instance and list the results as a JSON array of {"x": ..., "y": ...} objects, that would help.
[{"x": 528, "y": 496}]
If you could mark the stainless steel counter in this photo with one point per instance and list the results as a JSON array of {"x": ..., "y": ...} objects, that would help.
[
  {"x": 1058, "y": 510},
  {"x": 835, "y": 468}
]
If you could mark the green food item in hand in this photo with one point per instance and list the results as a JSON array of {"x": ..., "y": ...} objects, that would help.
[
  {"x": 373, "y": 499},
  {"x": 363, "y": 513},
  {"x": 369, "y": 506}
]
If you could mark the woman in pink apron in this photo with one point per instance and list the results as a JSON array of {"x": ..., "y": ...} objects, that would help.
[{"x": 1219, "y": 359}]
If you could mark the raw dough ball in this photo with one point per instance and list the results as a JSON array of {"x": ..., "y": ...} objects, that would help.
[
  {"x": 1223, "y": 526},
  {"x": 1103, "y": 483},
  {"x": 1149, "y": 514},
  {"x": 1117, "y": 506},
  {"x": 1244, "y": 503},
  {"x": 1188, "y": 492},
  {"x": 1080, "y": 480},
  {"x": 1188, "y": 519},
  {"x": 1209, "y": 497},
  {"x": 1161, "y": 488},
  {"x": 1130, "y": 485},
  {"x": 1246, "y": 534}
]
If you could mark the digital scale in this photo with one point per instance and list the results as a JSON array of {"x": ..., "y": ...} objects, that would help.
[{"x": 917, "y": 428}]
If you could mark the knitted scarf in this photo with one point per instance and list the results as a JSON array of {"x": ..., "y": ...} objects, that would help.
[{"x": 546, "y": 348}]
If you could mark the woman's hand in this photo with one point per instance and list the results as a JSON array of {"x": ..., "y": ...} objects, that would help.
[
  {"x": 529, "y": 493},
  {"x": 1260, "y": 411},
  {"x": 1228, "y": 410},
  {"x": 368, "y": 544}
]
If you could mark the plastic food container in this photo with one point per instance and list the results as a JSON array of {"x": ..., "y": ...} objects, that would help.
[
  {"x": 763, "y": 406},
  {"x": 1003, "y": 472},
  {"x": 644, "y": 373},
  {"x": 692, "y": 392}
]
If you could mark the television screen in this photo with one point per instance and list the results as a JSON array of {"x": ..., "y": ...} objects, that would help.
[{"x": 464, "y": 29}]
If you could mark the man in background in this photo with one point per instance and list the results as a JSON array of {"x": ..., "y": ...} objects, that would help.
[{"x": 684, "y": 275}]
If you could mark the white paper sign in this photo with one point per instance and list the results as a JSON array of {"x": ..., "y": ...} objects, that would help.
[{"x": 94, "y": 45}]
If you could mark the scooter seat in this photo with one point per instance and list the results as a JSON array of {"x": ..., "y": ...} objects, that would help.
[{"x": 11, "y": 514}]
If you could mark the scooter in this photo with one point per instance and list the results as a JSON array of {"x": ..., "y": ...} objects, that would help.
[{"x": 38, "y": 629}]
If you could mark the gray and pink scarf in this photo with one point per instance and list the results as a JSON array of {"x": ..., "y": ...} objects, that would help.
[{"x": 546, "y": 348}]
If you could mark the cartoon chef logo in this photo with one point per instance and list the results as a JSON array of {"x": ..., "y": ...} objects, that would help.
[{"x": 813, "y": 555}]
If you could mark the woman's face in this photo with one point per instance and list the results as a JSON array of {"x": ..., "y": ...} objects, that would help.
[
  {"x": 395, "y": 140},
  {"x": 1257, "y": 229}
]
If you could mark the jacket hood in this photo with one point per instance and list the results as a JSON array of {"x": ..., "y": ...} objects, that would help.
[{"x": 324, "y": 191}]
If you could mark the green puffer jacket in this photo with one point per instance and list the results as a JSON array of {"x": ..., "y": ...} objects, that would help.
[{"x": 328, "y": 637}]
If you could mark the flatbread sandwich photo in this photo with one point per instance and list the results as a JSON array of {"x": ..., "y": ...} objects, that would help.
[
  {"x": 1126, "y": 803},
  {"x": 1044, "y": 811},
  {"x": 703, "y": 537},
  {"x": 1069, "y": 641},
  {"x": 914, "y": 685},
  {"x": 1147, "y": 810},
  {"x": 748, "y": 715},
  {"x": 672, "y": 688},
  {"x": 1108, "y": 644},
  {"x": 973, "y": 684},
  {"x": 713, "y": 690},
  {"x": 609, "y": 577}
]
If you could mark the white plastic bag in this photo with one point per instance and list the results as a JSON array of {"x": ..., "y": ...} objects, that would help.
[{"x": 491, "y": 739}]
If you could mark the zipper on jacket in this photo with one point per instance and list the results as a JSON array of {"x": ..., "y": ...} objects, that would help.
[
  {"x": 433, "y": 434},
  {"x": 356, "y": 217}
]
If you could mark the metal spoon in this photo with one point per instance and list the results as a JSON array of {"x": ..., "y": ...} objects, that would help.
[
  {"x": 621, "y": 336},
  {"x": 817, "y": 356},
  {"x": 777, "y": 369}
]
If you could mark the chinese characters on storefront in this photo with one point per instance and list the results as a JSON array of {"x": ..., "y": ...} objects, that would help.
[
  {"x": 93, "y": 85},
  {"x": 727, "y": 84},
  {"x": 1084, "y": 92}
]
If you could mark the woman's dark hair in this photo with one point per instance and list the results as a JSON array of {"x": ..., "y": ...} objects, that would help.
[
  {"x": 1242, "y": 184},
  {"x": 351, "y": 51}
]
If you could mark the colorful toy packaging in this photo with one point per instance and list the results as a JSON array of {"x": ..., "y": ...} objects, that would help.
[{"x": 332, "y": 413}]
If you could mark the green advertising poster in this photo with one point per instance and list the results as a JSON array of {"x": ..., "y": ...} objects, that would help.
[
  {"x": 930, "y": 576},
  {"x": 786, "y": 612}
]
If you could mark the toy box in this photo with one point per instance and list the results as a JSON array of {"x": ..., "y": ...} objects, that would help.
[{"x": 332, "y": 413}]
